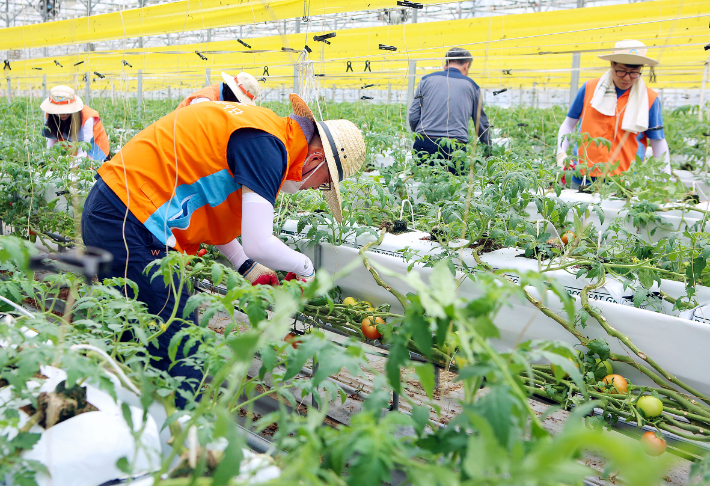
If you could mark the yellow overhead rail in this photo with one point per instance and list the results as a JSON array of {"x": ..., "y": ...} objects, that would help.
[
  {"x": 180, "y": 16},
  {"x": 508, "y": 51}
]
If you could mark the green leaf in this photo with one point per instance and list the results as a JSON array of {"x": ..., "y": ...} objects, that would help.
[
  {"x": 123, "y": 466},
  {"x": 600, "y": 348},
  {"x": 425, "y": 372},
  {"x": 217, "y": 273},
  {"x": 244, "y": 345}
]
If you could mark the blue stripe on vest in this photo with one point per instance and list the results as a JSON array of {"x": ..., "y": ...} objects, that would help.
[
  {"x": 211, "y": 190},
  {"x": 95, "y": 152}
]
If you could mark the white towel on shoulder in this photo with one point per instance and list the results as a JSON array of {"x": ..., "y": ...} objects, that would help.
[{"x": 636, "y": 114}]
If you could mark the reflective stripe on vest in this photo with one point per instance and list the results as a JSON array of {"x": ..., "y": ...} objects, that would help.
[
  {"x": 609, "y": 127},
  {"x": 212, "y": 92},
  {"x": 204, "y": 205}
]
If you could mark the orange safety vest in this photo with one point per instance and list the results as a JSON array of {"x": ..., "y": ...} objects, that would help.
[
  {"x": 609, "y": 127},
  {"x": 100, "y": 137},
  {"x": 177, "y": 180},
  {"x": 212, "y": 92}
]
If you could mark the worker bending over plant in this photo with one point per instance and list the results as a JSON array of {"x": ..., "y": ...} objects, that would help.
[
  {"x": 209, "y": 173},
  {"x": 620, "y": 108},
  {"x": 67, "y": 118},
  {"x": 242, "y": 88}
]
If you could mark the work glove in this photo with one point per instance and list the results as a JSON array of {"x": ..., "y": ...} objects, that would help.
[
  {"x": 303, "y": 278},
  {"x": 258, "y": 274},
  {"x": 561, "y": 160}
]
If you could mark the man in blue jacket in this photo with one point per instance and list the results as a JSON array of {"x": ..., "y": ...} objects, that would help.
[{"x": 443, "y": 104}]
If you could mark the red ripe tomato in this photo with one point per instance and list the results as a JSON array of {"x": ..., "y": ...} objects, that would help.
[
  {"x": 202, "y": 252},
  {"x": 652, "y": 444},
  {"x": 292, "y": 338},
  {"x": 369, "y": 328}
]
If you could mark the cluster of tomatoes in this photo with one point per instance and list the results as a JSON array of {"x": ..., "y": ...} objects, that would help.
[{"x": 369, "y": 324}]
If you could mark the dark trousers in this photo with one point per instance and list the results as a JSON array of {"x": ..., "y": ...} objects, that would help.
[
  {"x": 427, "y": 149},
  {"x": 102, "y": 227}
]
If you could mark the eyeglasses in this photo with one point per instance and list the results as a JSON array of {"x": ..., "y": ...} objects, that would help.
[{"x": 632, "y": 74}]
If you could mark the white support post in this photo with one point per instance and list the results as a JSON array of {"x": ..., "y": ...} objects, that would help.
[
  {"x": 44, "y": 87},
  {"x": 139, "y": 93},
  {"x": 389, "y": 92},
  {"x": 208, "y": 80},
  {"x": 87, "y": 89},
  {"x": 410, "y": 87},
  {"x": 170, "y": 93},
  {"x": 9, "y": 90},
  {"x": 296, "y": 83},
  {"x": 706, "y": 74},
  {"x": 113, "y": 92},
  {"x": 574, "y": 79},
  {"x": 332, "y": 93},
  {"x": 533, "y": 103}
]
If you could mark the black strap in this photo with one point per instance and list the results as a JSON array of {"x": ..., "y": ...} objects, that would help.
[
  {"x": 333, "y": 149},
  {"x": 245, "y": 267}
]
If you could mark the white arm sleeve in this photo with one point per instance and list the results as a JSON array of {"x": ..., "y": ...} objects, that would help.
[
  {"x": 51, "y": 142},
  {"x": 199, "y": 100},
  {"x": 261, "y": 245},
  {"x": 233, "y": 252},
  {"x": 660, "y": 149},
  {"x": 566, "y": 128}
]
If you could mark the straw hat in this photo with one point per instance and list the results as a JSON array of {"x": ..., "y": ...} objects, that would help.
[
  {"x": 244, "y": 86},
  {"x": 344, "y": 148},
  {"x": 629, "y": 52},
  {"x": 62, "y": 101}
]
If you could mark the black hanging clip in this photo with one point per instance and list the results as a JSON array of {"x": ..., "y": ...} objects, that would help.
[
  {"x": 244, "y": 43},
  {"x": 405, "y": 3},
  {"x": 7, "y": 65},
  {"x": 367, "y": 67},
  {"x": 367, "y": 86},
  {"x": 94, "y": 262},
  {"x": 349, "y": 67},
  {"x": 262, "y": 80},
  {"x": 506, "y": 72},
  {"x": 80, "y": 62},
  {"x": 266, "y": 71},
  {"x": 496, "y": 93},
  {"x": 56, "y": 63},
  {"x": 324, "y": 37},
  {"x": 366, "y": 98},
  {"x": 307, "y": 49},
  {"x": 37, "y": 69},
  {"x": 202, "y": 56},
  {"x": 319, "y": 75},
  {"x": 707, "y": 47},
  {"x": 289, "y": 49},
  {"x": 101, "y": 76},
  {"x": 125, "y": 63},
  {"x": 387, "y": 48}
]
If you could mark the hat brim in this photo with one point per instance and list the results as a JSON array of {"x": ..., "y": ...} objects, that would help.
[
  {"x": 241, "y": 97},
  {"x": 632, "y": 59},
  {"x": 332, "y": 197},
  {"x": 53, "y": 109}
]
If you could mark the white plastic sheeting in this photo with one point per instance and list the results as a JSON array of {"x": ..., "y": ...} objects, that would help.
[{"x": 678, "y": 345}]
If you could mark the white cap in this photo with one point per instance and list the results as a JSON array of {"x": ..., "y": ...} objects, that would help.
[{"x": 244, "y": 86}]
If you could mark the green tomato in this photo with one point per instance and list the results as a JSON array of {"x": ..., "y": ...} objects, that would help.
[
  {"x": 608, "y": 370},
  {"x": 649, "y": 406}
]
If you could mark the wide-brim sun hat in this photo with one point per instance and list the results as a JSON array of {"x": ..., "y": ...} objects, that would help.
[
  {"x": 62, "y": 101},
  {"x": 344, "y": 148},
  {"x": 244, "y": 86},
  {"x": 630, "y": 52}
]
